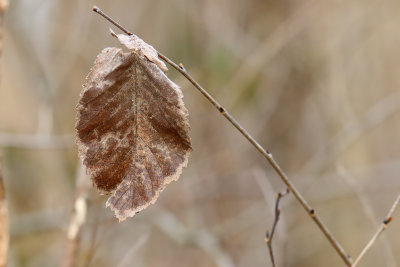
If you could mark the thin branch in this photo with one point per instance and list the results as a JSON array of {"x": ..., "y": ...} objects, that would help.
[
  {"x": 268, "y": 156},
  {"x": 351, "y": 132},
  {"x": 205, "y": 240},
  {"x": 267, "y": 190},
  {"x": 367, "y": 206},
  {"x": 269, "y": 235},
  {"x": 345, "y": 257},
  {"x": 36, "y": 141},
  {"x": 128, "y": 258},
  {"x": 381, "y": 228},
  {"x": 104, "y": 15},
  {"x": 78, "y": 218},
  {"x": 94, "y": 228}
]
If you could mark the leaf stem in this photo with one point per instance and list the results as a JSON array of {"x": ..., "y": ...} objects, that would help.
[{"x": 339, "y": 249}]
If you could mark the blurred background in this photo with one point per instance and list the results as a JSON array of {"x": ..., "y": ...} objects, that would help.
[{"x": 315, "y": 82}]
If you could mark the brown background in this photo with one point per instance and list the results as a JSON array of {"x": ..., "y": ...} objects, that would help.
[{"x": 317, "y": 82}]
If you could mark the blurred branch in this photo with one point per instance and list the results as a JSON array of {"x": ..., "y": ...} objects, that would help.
[
  {"x": 269, "y": 235},
  {"x": 3, "y": 8},
  {"x": 138, "y": 244},
  {"x": 381, "y": 228},
  {"x": 94, "y": 227},
  {"x": 351, "y": 132},
  {"x": 360, "y": 193},
  {"x": 32, "y": 36},
  {"x": 256, "y": 59},
  {"x": 202, "y": 238},
  {"x": 78, "y": 218},
  {"x": 36, "y": 141},
  {"x": 268, "y": 156},
  {"x": 4, "y": 229},
  {"x": 367, "y": 205},
  {"x": 30, "y": 223},
  {"x": 267, "y": 190},
  {"x": 346, "y": 258}
]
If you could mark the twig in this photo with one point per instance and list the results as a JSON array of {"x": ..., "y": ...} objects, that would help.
[
  {"x": 205, "y": 240},
  {"x": 381, "y": 228},
  {"x": 373, "y": 117},
  {"x": 367, "y": 206},
  {"x": 36, "y": 141},
  {"x": 269, "y": 235},
  {"x": 267, "y": 191},
  {"x": 132, "y": 251},
  {"x": 99, "y": 11},
  {"x": 78, "y": 218},
  {"x": 94, "y": 228},
  {"x": 345, "y": 257}
]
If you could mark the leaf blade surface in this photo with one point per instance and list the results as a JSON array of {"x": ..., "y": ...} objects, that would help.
[{"x": 132, "y": 130}]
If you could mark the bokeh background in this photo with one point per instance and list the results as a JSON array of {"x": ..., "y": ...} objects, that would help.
[{"x": 315, "y": 82}]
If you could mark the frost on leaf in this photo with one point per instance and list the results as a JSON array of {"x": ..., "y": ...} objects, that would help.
[{"x": 132, "y": 129}]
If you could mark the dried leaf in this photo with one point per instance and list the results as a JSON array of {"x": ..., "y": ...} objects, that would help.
[
  {"x": 136, "y": 44},
  {"x": 132, "y": 129}
]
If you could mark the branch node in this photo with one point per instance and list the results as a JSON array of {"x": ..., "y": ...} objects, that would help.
[
  {"x": 181, "y": 67},
  {"x": 267, "y": 237},
  {"x": 312, "y": 213},
  {"x": 387, "y": 220}
]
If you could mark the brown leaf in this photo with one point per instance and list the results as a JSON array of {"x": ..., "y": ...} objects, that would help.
[
  {"x": 136, "y": 44},
  {"x": 132, "y": 129}
]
